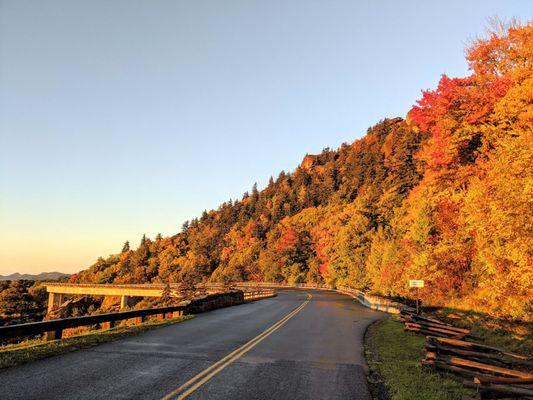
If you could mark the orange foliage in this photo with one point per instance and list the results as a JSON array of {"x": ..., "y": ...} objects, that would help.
[{"x": 445, "y": 196}]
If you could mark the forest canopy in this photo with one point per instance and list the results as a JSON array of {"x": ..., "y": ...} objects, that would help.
[{"x": 444, "y": 194}]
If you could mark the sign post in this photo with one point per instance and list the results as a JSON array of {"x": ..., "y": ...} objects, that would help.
[{"x": 416, "y": 283}]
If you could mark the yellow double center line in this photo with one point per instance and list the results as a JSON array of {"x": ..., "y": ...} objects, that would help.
[{"x": 194, "y": 383}]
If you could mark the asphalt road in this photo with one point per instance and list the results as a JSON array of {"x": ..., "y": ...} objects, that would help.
[{"x": 298, "y": 345}]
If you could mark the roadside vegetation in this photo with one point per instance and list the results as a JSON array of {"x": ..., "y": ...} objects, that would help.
[
  {"x": 22, "y": 301},
  {"x": 393, "y": 356},
  {"x": 36, "y": 349},
  {"x": 443, "y": 195}
]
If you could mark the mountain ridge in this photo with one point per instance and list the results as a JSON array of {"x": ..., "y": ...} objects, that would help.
[
  {"x": 34, "y": 277},
  {"x": 442, "y": 195}
]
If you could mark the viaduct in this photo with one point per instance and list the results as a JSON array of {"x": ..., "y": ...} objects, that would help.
[{"x": 58, "y": 290}]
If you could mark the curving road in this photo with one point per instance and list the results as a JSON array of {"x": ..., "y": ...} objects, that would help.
[{"x": 298, "y": 345}]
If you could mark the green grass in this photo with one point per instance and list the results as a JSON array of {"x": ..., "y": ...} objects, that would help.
[
  {"x": 395, "y": 373},
  {"x": 31, "y": 350}
]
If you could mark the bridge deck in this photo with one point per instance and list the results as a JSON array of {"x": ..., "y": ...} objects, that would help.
[{"x": 155, "y": 290}]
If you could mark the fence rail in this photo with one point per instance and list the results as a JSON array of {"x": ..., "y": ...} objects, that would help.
[{"x": 53, "y": 329}]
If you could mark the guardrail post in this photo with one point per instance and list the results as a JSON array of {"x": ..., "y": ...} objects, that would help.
[
  {"x": 108, "y": 325},
  {"x": 140, "y": 320},
  {"x": 177, "y": 314},
  {"x": 161, "y": 316},
  {"x": 53, "y": 335}
]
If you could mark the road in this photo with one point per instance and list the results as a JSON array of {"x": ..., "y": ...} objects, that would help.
[{"x": 298, "y": 345}]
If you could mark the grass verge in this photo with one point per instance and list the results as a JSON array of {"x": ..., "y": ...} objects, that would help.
[
  {"x": 393, "y": 357},
  {"x": 32, "y": 350}
]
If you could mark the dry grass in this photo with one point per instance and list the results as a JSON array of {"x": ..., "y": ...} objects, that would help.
[{"x": 516, "y": 336}]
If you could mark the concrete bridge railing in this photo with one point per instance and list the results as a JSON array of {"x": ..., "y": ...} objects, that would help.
[
  {"x": 57, "y": 290},
  {"x": 368, "y": 300},
  {"x": 372, "y": 301},
  {"x": 53, "y": 329}
]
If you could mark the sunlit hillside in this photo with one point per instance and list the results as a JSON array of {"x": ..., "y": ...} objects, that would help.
[{"x": 443, "y": 194}]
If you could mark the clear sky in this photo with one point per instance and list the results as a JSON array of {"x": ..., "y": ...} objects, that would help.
[{"x": 119, "y": 118}]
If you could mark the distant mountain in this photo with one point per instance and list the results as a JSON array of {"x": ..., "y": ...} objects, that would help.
[{"x": 39, "y": 277}]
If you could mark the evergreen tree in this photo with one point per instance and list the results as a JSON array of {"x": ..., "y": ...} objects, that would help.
[
  {"x": 144, "y": 239},
  {"x": 166, "y": 297}
]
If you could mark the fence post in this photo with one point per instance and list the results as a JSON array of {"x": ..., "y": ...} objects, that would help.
[
  {"x": 108, "y": 325},
  {"x": 53, "y": 335}
]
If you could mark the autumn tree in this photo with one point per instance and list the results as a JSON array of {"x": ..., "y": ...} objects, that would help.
[{"x": 442, "y": 195}]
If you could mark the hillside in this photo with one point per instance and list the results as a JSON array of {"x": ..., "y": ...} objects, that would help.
[{"x": 444, "y": 195}]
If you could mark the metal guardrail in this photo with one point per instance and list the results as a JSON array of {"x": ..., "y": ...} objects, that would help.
[{"x": 54, "y": 328}]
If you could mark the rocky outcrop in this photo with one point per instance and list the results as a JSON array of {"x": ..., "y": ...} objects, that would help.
[{"x": 309, "y": 162}]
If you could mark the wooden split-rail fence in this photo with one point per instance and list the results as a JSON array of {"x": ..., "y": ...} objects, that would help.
[{"x": 492, "y": 372}]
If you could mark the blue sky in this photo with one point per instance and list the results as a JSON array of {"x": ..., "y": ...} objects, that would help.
[{"x": 119, "y": 118}]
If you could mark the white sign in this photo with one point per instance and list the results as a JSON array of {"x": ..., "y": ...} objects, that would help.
[{"x": 416, "y": 283}]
